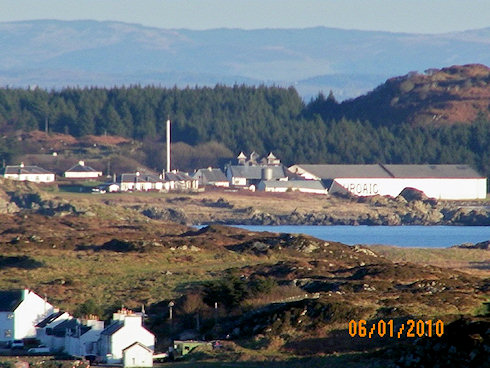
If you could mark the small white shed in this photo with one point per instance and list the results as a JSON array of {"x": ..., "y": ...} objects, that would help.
[{"x": 137, "y": 355}]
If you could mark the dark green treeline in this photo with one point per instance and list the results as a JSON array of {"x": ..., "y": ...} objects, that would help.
[{"x": 242, "y": 119}]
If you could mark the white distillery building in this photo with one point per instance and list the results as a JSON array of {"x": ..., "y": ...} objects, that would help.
[
  {"x": 302, "y": 186},
  {"x": 453, "y": 182}
]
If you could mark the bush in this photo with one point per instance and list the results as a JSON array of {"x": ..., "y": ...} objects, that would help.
[
  {"x": 89, "y": 307},
  {"x": 265, "y": 285},
  {"x": 230, "y": 292}
]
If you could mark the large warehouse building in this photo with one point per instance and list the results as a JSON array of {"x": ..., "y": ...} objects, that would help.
[{"x": 436, "y": 181}]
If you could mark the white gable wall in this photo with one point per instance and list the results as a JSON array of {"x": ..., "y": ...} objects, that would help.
[
  {"x": 439, "y": 188},
  {"x": 85, "y": 344},
  {"x": 137, "y": 356},
  {"x": 30, "y": 312},
  {"x": 132, "y": 332}
]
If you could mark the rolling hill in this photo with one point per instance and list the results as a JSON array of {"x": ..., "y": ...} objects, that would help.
[
  {"x": 54, "y": 54},
  {"x": 456, "y": 94}
]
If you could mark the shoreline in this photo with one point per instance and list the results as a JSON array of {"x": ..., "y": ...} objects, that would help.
[{"x": 413, "y": 236}]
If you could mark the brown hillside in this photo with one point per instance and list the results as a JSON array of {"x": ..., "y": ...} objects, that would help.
[{"x": 457, "y": 94}]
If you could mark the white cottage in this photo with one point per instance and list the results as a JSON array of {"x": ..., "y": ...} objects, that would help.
[
  {"x": 125, "y": 330},
  {"x": 20, "y": 312},
  {"x": 82, "y": 340},
  {"x": 211, "y": 176},
  {"x": 137, "y": 355},
  {"x": 181, "y": 181},
  {"x": 82, "y": 171},
  {"x": 28, "y": 173},
  {"x": 140, "y": 182},
  {"x": 44, "y": 329}
]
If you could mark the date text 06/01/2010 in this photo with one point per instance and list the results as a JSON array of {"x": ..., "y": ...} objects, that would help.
[{"x": 410, "y": 328}]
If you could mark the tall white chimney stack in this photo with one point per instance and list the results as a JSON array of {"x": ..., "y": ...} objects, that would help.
[{"x": 168, "y": 145}]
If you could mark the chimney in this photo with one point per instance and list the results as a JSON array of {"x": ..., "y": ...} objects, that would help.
[{"x": 168, "y": 145}]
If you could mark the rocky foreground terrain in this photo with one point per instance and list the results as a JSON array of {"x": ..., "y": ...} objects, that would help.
[{"x": 282, "y": 298}]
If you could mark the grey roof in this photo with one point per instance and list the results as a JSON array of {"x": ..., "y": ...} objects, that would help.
[
  {"x": 391, "y": 171},
  {"x": 432, "y": 171},
  {"x": 18, "y": 169},
  {"x": 136, "y": 344},
  {"x": 69, "y": 324},
  {"x": 177, "y": 176},
  {"x": 346, "y": 171},
  {"x": 113, "y": 328},
  {"x": 60, "y": 329},
  {"x": 82, "y": 168},
  {"x": 255, "y": 172},
  {"x": 212, "y": 175},
  {"x": 10, "y": 300},
  {"x": 306, "y": 184},
  {"x": 52, "y": 317},
  {"x": 141, "y": 178}
]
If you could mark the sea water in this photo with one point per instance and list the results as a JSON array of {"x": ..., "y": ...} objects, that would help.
[{"x": 404, "y": 236}]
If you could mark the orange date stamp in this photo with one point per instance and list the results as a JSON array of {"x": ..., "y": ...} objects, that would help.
[{"x": 410, "y": 329}]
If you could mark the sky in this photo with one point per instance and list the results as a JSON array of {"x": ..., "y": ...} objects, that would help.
[{"x": 412, "y": 16}]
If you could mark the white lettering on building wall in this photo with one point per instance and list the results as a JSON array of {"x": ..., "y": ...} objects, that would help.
[{"x": 363, "y": 189}]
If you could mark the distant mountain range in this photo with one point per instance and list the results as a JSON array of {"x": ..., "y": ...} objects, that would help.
[{"x": 56, "y": 54}]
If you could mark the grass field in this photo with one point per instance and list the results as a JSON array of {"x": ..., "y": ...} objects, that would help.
[{"x": 473, "y": 261}]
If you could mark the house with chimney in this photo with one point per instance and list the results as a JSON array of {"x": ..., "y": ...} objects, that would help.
[
  {"x": 140, "y": 182},
  {"x": 127, "y": 339},
  {"x": 31, "y": 173},
  {"x": 81, "y": 339},
  {"x": 81, "y": 171},
  {"x": 44, "y": 329},
  {"x": 211, "y": 177},
  {"x": 181, "y": 181},
  {"x": 20, "y": 312}
]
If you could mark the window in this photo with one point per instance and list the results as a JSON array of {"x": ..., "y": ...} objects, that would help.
[
  {"x": 7, "y": 333},
  {"x": 10, "y": 316}
]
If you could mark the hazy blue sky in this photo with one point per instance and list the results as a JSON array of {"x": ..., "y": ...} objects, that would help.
[{"x": 420, "y": 16}]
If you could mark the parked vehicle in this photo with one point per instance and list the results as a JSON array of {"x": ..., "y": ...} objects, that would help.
[
  {"x": 41, "y": 349},
  {"x": 17, "y": 344}
]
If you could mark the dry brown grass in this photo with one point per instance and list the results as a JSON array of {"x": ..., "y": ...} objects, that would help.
[{"x": 473, "y": 261}]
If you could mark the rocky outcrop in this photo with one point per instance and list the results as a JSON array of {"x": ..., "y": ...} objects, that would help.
[
  {"x": 166, "y": 214},
  {"x": 484, "y": 245},
  {"x": 409, "y": 208},
  {"x": 49, "y": 207}
]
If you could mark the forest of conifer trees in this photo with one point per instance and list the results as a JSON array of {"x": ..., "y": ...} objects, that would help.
[{"x": 239, "y": 118}]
